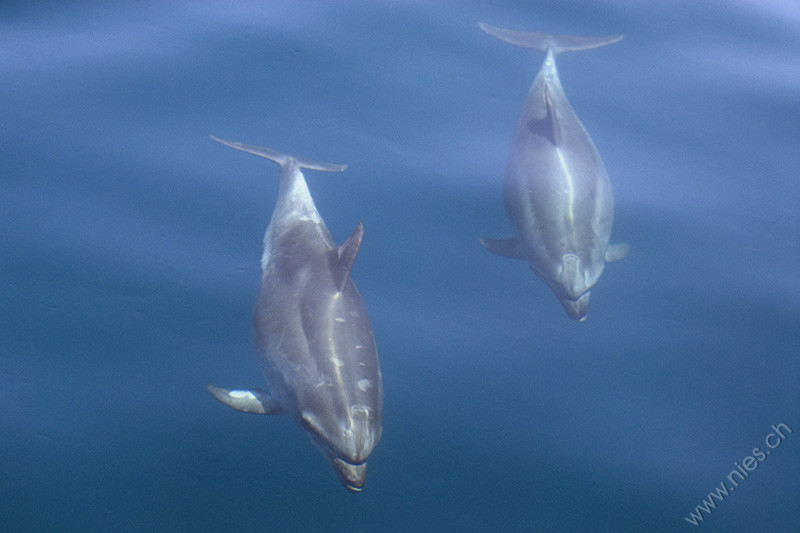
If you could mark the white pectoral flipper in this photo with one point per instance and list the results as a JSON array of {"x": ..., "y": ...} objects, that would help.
[
  {"x": 615, "y": 252},
  {"x": 248, "y": 401}
]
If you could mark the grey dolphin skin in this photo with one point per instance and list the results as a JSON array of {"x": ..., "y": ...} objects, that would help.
[
  {"x": 557, "y": 192},
  {"x": 314, "y": 338}
]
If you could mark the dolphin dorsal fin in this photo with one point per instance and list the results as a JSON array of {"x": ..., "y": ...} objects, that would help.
[
  {"x": 346, "y": 256},
  {"x": 547, "y": 127}
]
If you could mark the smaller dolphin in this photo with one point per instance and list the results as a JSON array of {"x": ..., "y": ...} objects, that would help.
[
  {"x": 314, "y": 338},
  {"x": 557, "y": 192}
]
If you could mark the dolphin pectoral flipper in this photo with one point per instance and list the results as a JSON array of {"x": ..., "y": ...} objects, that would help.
[
  {"x": 248, "y": 401},
  {"x": 281, "y": 159},
  {"x": 615, "y": 252},
  {"x": 347, "y": 253},
  {"x": 505, "y": 247},
  {"x": 544, "y": 42}
]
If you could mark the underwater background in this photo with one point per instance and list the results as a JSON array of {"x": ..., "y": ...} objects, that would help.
[{"x": 131, "y": 245}]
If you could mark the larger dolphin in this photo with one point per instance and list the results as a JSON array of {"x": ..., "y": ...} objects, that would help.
[
  {"x": 314, "y": 338},
  {"x": 557, "y": 192}
]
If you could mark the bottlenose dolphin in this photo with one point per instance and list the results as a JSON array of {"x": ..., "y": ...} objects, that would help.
[
  {"x": 313, "y": 335},
  {"x": 557, "y": 192}
]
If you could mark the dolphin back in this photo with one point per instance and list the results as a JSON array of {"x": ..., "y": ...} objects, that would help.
[
  {"x": 282, "y": 159},
  {"x": 545, "y": 42}
]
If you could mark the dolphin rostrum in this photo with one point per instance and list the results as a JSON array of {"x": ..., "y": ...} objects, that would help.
[
  {"x": 557, "y": 192},
  {"x": 313, "y": 335}
]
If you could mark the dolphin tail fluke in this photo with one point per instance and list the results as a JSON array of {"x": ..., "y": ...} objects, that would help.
[
  {"x": 545, "y": 42},
  {"x": 282, "y": 159},
  {"x": 248, "y": 401}
]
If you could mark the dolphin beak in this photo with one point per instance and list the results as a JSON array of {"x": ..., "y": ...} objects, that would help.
[
  {"x": 352, "y": 476},
  {"x": 577, "y": 309}
]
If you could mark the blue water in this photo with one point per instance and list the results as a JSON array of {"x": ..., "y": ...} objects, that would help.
[{"x": 131, "y": 243}]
